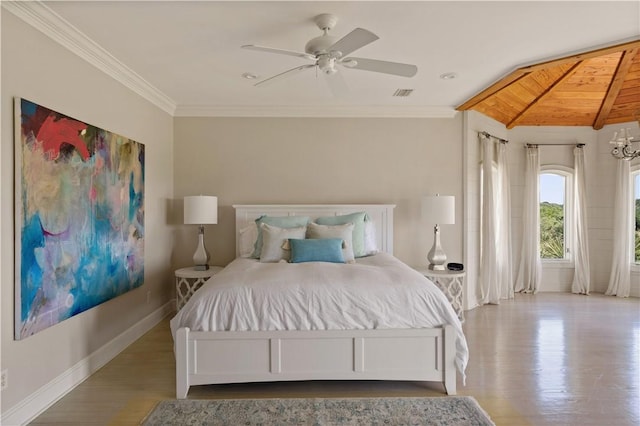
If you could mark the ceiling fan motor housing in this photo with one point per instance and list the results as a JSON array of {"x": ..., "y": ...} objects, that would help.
[{"x": 320, "y": 45}]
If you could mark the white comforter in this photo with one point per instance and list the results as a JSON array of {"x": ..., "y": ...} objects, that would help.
[{"x": 377, "y": 292}]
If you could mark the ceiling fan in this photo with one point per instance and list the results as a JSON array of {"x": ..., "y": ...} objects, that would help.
[{"x": 327, "y": 53}]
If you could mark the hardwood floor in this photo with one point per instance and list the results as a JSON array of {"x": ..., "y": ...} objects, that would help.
[{"x": 545, "y": 359}]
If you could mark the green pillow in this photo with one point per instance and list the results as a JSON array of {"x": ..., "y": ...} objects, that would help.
[
  {"x": 358, "y": 220},
  {"x": 316, "y": 250},
  {"x": 278, "y": 221}
]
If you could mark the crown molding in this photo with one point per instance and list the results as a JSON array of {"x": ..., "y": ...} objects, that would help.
[
  {"x": 42, "y": 18},
  {"x": 362, "y": 111}
]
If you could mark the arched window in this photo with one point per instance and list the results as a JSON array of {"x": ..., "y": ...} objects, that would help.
[
  {"x": 556, "y": 185},
  {"x": 635, "y": 182}
]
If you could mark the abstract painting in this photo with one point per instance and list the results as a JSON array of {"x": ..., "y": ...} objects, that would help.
[{"x": 79, "y": 217}]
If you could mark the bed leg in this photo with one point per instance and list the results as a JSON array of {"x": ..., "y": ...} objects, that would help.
[
  {"x": 182, "y": 363},
  {"x": 449, "y": 358}
]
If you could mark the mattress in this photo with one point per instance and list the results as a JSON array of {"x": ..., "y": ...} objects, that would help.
[{"x": 376, "y": 292}]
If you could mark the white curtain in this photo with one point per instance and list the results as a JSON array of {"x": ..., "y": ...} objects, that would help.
[
  {"x": 530, "y": 269},
  {"x": 619, "y": 280},
  {"x": 503, "y": 234},
  {"x": 495, "y": 263},
  {"x": 582, "y": 274}
]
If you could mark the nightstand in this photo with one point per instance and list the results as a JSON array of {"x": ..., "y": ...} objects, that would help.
[
  {"x": 188, "y": 280},
  {"x": 451, "y": 283}
]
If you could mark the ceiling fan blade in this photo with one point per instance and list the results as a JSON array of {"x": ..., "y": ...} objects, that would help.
[
  {"x": 353, "y": 41},
  {"x": 278, "y": 51},
  {"x": 395, "y": 68},
  {"x": 292, "y": 71}
]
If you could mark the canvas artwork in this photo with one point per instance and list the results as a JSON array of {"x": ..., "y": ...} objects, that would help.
[{"x": 79, "y": 217}]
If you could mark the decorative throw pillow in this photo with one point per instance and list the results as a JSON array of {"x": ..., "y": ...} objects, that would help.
[
  {"x": 344, "y": 232},
  {"x": 273, "y": 242},
  {"x": 317, "y": 250},
  {"x": 370, "y": 240},
  {"x": 247, "y": 239},
  {"x": 358, "y": 228},
  {"x": 280, "y": 222}
]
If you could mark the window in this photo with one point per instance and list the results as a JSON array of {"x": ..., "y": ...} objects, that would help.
[
  {"x": 635, "y": 180},
  {"x": 555, "y": 207}
]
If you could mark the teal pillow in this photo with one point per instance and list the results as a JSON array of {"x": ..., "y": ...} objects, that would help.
[
  {"x": 317, "y": 250},
  {"x": 278, "y": 221},
  {"x": 358, "y": 220}
]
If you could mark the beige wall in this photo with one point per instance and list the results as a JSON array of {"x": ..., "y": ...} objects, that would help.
[
  {"x": 38, "y": 69},
  {"x": 320, "y": 160}
]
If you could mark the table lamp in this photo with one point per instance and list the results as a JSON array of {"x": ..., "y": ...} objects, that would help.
[
  {"x": 201, "y": 210},
  {"x": 439, "y": 210}
]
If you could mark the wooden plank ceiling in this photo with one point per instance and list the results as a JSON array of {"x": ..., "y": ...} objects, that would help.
[{"x": 589, "y": 89}]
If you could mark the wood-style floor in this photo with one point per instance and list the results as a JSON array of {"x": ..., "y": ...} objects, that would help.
[{"x": 545, "y": 359}]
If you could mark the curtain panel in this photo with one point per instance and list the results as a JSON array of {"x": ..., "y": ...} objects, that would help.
[
  {"x": 530, "y": 265},
  {"x": 582, "y": 274},
  {"x": 496, "y": 280},
  {"x": 620, "y": 278}
]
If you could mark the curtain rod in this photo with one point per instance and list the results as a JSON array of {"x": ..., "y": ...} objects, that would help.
[
  {"x": 579, "y": 145},
  {"x": 494, "y": 137}
]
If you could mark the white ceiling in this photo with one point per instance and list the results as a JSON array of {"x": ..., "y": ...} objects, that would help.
[{"x": 186, "y": 55}]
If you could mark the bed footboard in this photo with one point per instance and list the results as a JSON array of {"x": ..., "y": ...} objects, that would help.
[
  {"x": 257, "y": 356},
  {"x": 182, "y": 362}
]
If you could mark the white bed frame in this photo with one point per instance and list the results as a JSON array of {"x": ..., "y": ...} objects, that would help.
[{"x": 425, "y": 354}]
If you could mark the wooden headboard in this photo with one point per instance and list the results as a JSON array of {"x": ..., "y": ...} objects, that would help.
[{"x": 381, "y": 214}]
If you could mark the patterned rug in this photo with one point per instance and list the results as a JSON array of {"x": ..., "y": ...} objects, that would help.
[{"x": 449, "y": 411}]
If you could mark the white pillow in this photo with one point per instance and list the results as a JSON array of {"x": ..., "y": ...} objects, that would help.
[
  {"x": 370, "y": 240},
  {"x": 345, "y": 232},
  {"x": 247, "y": 240},
  {"x": 273, "y": 241}
]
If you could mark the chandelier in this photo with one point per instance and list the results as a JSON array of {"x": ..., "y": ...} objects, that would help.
[{"x": 622, "y": 141}]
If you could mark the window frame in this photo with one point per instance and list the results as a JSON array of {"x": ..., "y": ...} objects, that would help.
[
  {"x": 569, "y": 232},
  {"x": 635, "y": 173}
]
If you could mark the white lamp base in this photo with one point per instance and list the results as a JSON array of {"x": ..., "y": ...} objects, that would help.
[
  {"x": 201, "y": 256},
  {"x": 436, "y": 257}
]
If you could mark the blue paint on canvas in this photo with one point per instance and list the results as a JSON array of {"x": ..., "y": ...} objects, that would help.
[{"x": 81, "y": 221}]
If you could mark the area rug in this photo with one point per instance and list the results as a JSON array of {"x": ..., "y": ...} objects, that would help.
[{"x": 441, "y": 411}]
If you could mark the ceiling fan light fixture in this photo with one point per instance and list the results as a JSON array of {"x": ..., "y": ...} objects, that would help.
[{"x": 327, "y": 64}]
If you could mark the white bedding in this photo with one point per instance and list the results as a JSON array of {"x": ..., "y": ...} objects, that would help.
[{"x": 376, "y": 292}]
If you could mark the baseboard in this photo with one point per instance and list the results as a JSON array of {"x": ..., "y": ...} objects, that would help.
[{"x": 32, "y": 406}]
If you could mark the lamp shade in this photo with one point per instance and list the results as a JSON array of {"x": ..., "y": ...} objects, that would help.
[
  {"x": 200, "y": 210},
  {"x": 439, "y": 209}
]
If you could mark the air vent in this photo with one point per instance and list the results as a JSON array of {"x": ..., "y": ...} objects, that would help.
[{"x": 403, "y": 92}]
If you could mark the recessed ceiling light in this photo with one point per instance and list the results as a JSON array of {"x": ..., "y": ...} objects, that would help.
[
  {"x": 448, "y": 76},
  {"x": 249, "y": 76}
]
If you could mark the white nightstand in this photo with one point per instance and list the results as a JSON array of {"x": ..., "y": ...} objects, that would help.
[
  {"x": 451, "y": 283},
  {"x": 188, "y": 280}
]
